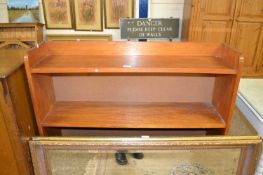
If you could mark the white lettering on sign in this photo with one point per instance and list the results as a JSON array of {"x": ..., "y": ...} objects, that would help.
[
  {"x": 135, "y": 29},
  {"x": 149, "y": 23},
  {"x": 163, "y": 29},
  {"x": 153, "y": 34},
  {"x": 149, "y": 28}
]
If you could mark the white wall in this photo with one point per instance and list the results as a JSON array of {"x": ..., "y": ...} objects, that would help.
[
  {"x": 3, "y": 12},
  {"x": 157, "y": 9},
  {"x": 167, "y": 9}
]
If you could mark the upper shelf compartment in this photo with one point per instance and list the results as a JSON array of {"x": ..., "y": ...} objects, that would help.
[
  {"x": 131, "y": 64},
  {"x": 133, "y": 57}
]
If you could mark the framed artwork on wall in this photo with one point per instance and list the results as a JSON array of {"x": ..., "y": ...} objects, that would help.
[
  {"x": 57, "y": 14},
  {"x": 116, "y": 9},
  {"x": 88, "y": 15},
  {"x": 23, "y": 11}
]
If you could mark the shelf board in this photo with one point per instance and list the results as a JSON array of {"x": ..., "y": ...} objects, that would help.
[
  {"x": 20, "y": 39},
  {"x": 133, "y": 115},
  {"x": 132, "y": 64}
]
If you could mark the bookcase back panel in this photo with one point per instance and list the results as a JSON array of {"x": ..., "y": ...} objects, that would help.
[
  {"x": 133, "y": 48},
  {"x": 130, "y": 133},
  {"x": 134, "y": 88}
]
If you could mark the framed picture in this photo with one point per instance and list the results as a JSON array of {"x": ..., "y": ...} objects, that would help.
[
  {"x": 57, "y": 14},
  {"x": 23, "y": 11},
  {"x": 180, "y": 156},
  {"x": 88, "y": 15},
  {"x": 116, "y": 9}
]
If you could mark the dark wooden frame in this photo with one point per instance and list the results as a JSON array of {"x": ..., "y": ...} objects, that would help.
[{"x": 106, "y": 10}]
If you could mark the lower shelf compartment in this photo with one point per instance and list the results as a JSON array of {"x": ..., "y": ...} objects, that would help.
[{"x": 133, "y": 115}]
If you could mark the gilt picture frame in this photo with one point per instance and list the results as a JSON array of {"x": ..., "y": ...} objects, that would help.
[
  {"x": 88, "y": 15},
  {"x": 58, "y": 14},
  {"x": 116, "y": 9},
  {"x": 226, "y": 155}
]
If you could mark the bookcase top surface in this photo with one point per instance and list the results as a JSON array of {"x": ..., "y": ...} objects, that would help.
[
  {"x": 131, "y": 64},
  {"x": 130, "y": 57}
]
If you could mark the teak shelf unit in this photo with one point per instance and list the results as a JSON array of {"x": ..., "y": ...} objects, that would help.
[
  {"x": 149, "y": 85},
  {"x": 26, "y": 35}
]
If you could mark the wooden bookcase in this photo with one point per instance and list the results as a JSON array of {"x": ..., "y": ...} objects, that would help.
[
  {"x": 26, "y": 35},
  {"x": 133, "y": 85}
]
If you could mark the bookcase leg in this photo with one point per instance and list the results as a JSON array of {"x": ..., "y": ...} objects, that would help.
[{"x": 42, "y": 131}]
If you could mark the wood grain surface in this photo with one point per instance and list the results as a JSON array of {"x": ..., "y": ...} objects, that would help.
[
  {"x": 70, "y": 59},
  {"x": 133, "y": 115},
  {"x": 132, "y": 64}
]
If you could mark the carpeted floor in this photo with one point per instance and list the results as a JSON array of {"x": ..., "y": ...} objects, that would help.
[{"x": 240, "y": 125}]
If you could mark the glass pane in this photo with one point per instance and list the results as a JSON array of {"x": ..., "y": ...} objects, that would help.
[{"x": 161, "y": 162}]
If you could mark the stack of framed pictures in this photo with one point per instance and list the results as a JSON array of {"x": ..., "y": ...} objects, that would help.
[{"x": 86, "y": 14}]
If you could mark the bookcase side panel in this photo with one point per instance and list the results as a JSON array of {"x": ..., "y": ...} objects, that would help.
[
  {"x": 35, "y": 55},
  {"x": 225, "y": 91},
  {"x": 43, "y": 98}
]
